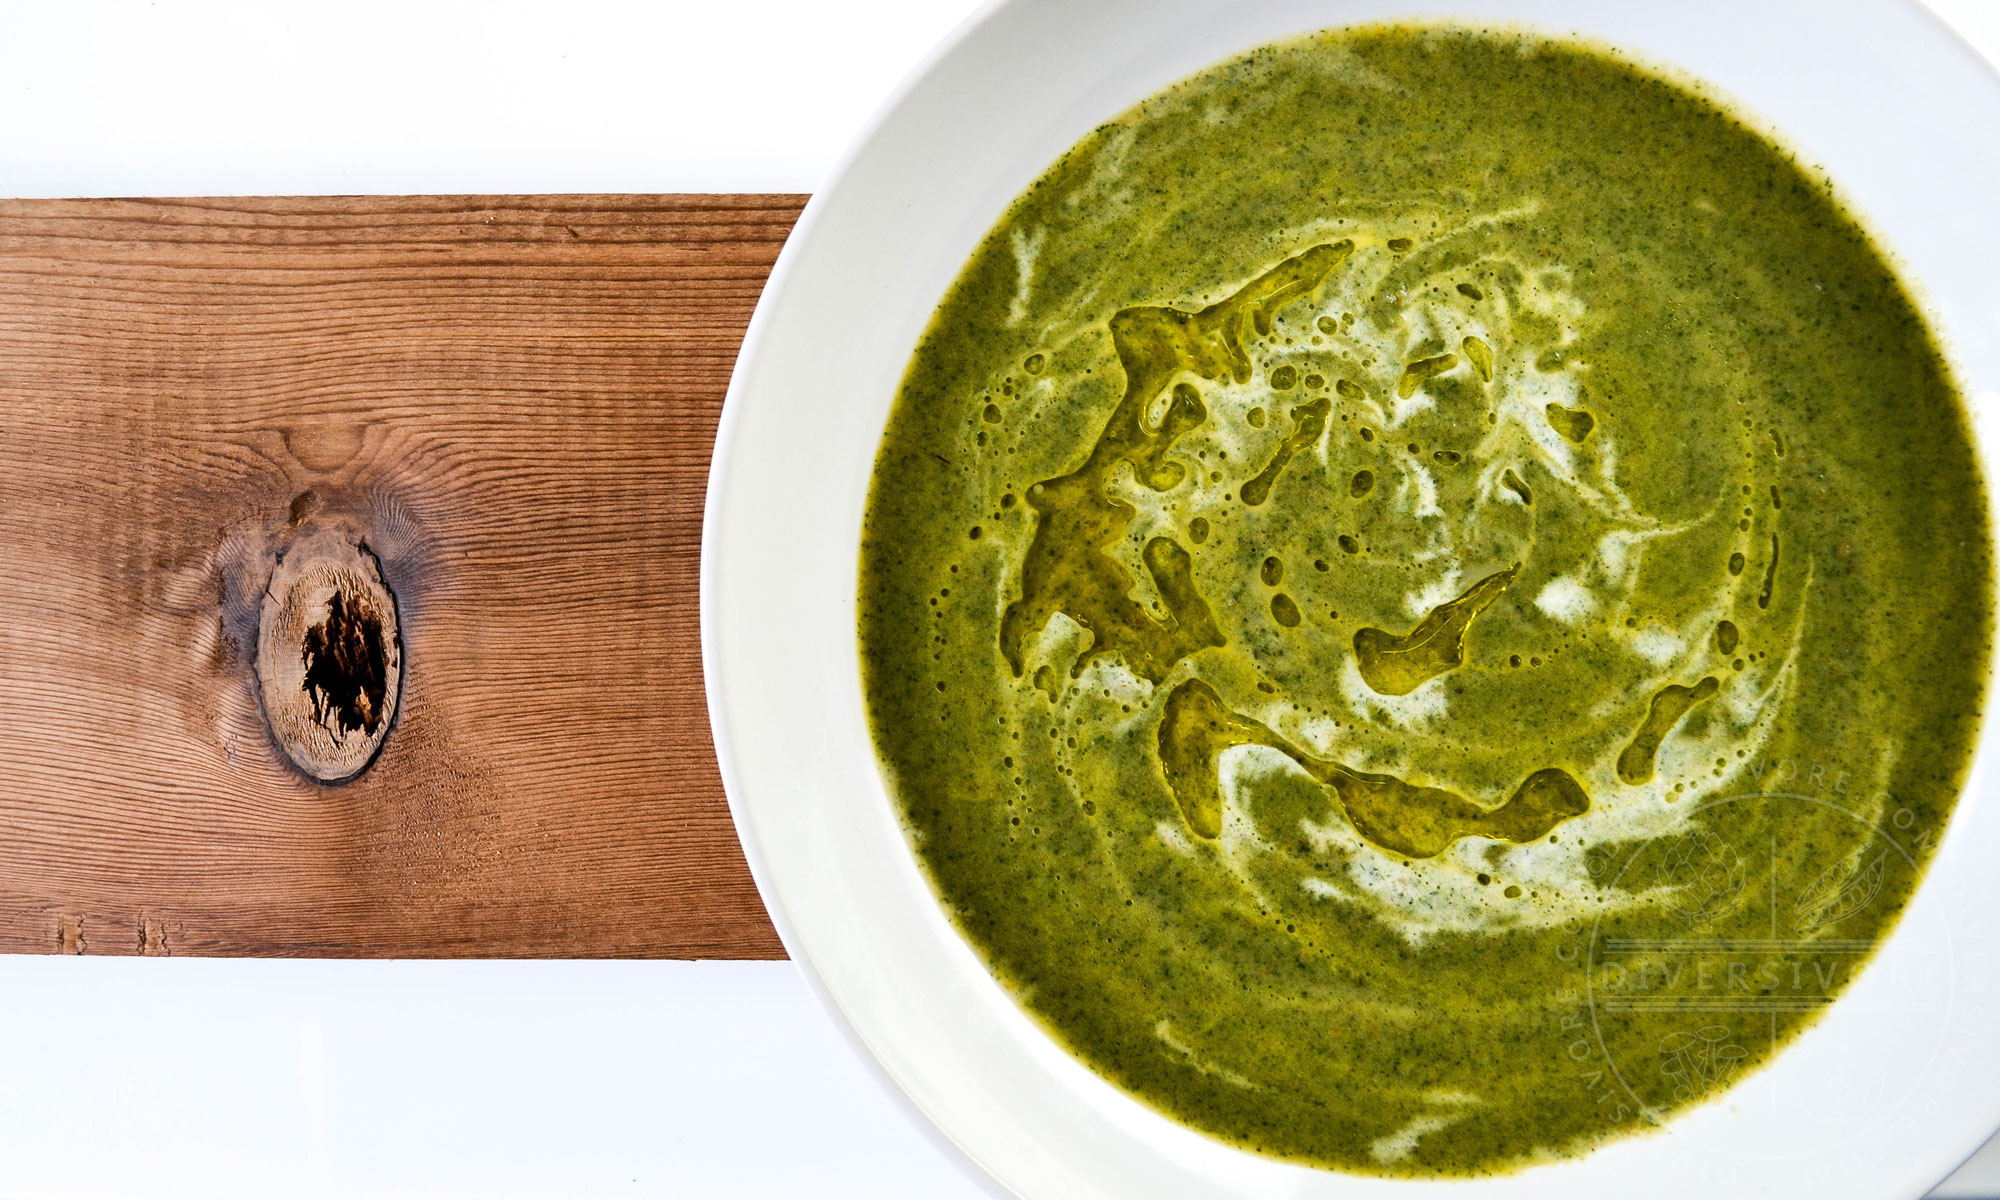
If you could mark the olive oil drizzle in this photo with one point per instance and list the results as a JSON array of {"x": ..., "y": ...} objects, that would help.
[
  {"x": 1068, "y": 567},
  {"x": 1397, "y": 666},
  {"x": 1395, "y": 814}
]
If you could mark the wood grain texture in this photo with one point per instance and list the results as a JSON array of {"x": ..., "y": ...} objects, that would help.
[{"x": 509, "y": 401}]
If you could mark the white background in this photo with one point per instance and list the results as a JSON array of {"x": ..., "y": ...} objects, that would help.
[{"x": 151, "y": 1077}]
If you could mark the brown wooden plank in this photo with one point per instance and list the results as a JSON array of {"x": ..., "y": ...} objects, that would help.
[{"x": 510, "y": 401}]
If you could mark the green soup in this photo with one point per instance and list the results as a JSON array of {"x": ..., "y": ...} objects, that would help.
[{"x": 1425, "y": 598}]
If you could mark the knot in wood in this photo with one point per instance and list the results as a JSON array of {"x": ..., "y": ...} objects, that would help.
[{"x": 329, "y": 655}]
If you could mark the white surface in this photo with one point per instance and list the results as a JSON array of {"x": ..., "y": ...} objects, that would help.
[
  {"x": 182, "y": 1078},
  {"x": 382, "y": 96},
  {"x": 292, "y": 1080}
]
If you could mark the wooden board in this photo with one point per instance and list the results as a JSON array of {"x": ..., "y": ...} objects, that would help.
[{"x": 508, "y": 403}]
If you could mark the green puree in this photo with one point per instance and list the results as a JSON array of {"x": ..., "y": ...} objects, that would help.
[{"x": 1424, "y": 599}]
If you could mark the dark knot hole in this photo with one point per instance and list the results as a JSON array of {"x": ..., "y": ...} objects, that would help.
[{"x": 346, "y": 669}]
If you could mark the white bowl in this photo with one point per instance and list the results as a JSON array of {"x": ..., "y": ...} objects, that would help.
[{"x": 1880, "y": 1098}]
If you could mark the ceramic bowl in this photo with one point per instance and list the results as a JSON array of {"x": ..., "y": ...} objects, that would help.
[{"x": 1894, "y": 1086}]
